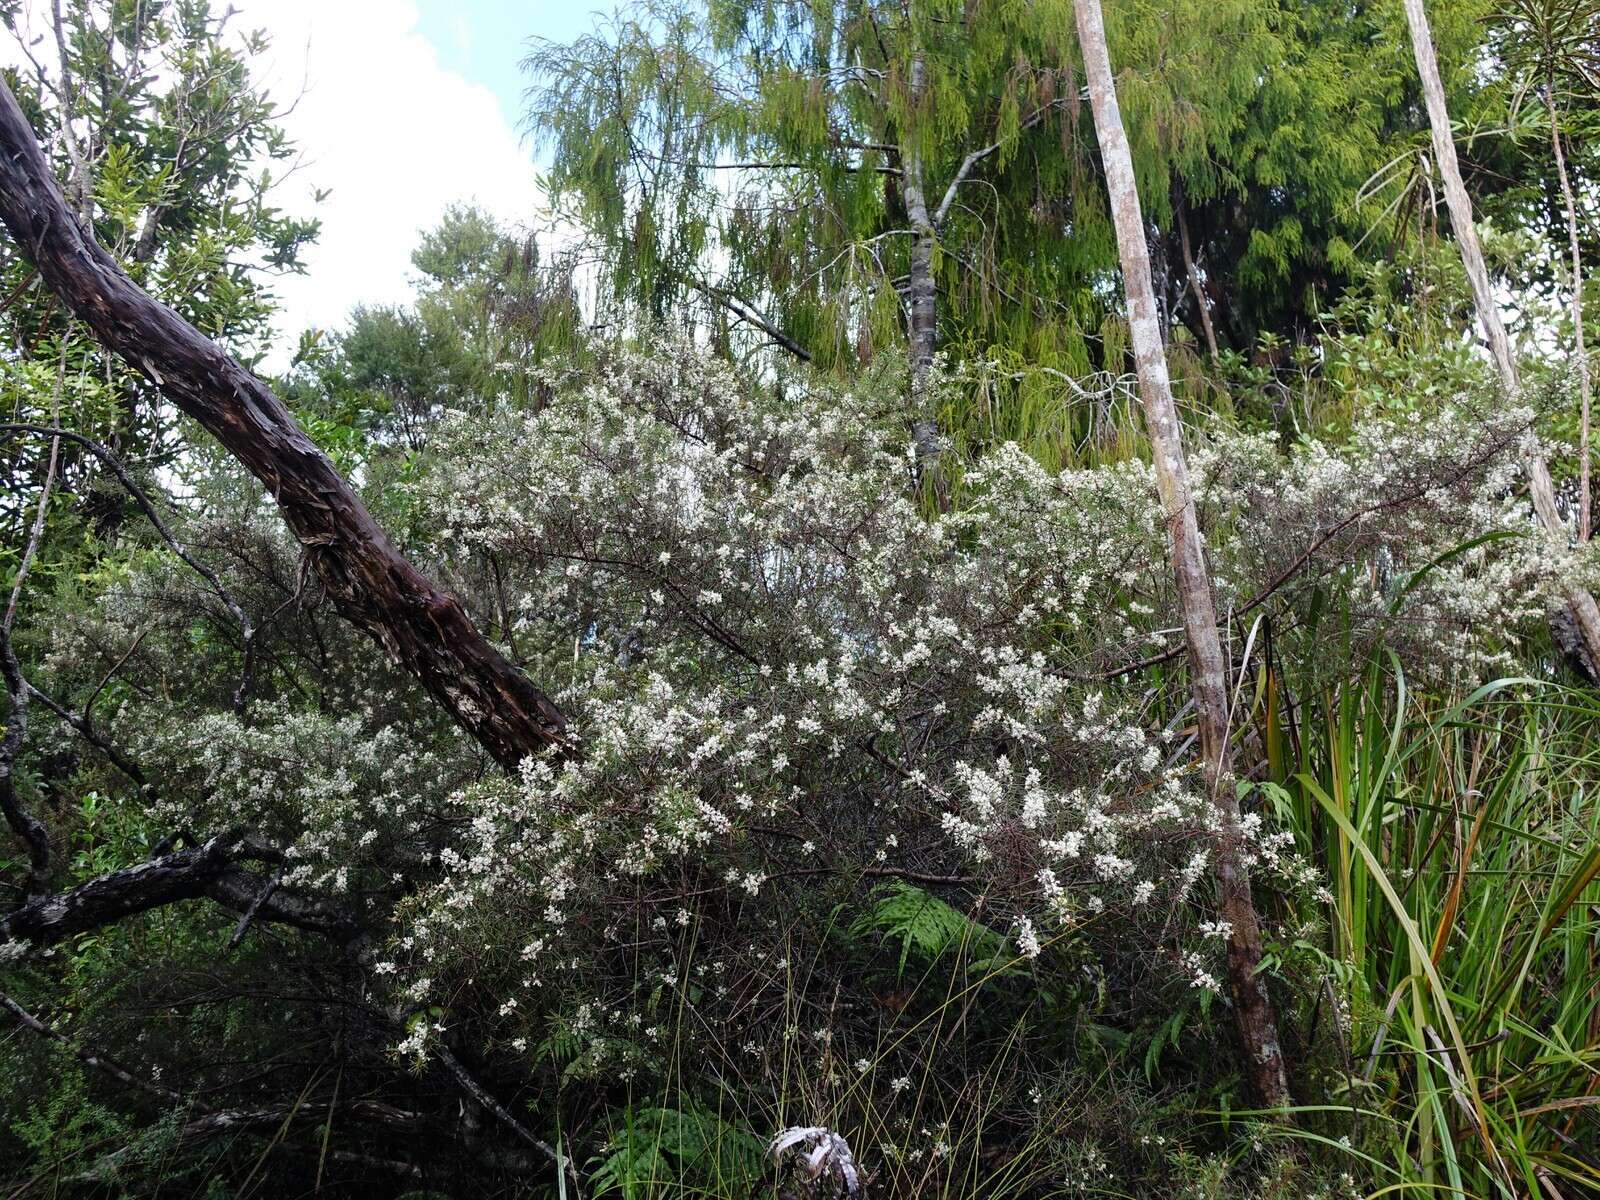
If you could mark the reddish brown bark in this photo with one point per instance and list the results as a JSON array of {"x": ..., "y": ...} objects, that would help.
[{"x": 423, "y": 627}]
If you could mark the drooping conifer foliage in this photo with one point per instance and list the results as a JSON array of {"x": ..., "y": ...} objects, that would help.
[
  {"x": 742, "y": 699},
  {"x": 817, "y": 164}
]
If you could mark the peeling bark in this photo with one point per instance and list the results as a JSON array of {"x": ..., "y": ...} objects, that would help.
[
  {"x": 1252, "y": 1008},
  {"x": 421, "y": 626}
]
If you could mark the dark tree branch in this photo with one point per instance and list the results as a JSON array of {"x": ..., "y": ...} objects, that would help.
[
  {"x": 273, "y": 1121},
  {"x": 482, "y": 1096},
  {"x": 87, "y": 731},
  {"x": 15, "y": 294},
  {"x": 240, "y": 891},
  {"x": 208, "y": 871},
  {"x": 371, "y": 583},
  {"x": 250, "y": 912},
  {"x": 98, "y": 1062},
  {"x": 183, "y": 875},
  {"x": 746, "y": 312}
]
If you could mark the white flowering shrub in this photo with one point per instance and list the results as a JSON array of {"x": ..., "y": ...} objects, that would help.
[
  {"x": 1414, "y": 530},
  {"x": 344, "y": 802},
  {"x": 782, "y": 672}
]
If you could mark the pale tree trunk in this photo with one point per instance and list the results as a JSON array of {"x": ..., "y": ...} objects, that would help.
[
  {"x": 922, "y": 324},
  {"x": 1584, "y": 387},
  {"x": 1580, "y": 604},
  {"x": 1252, "y": 1008}
]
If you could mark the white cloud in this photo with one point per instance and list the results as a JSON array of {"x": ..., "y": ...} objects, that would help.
[{"x": 392, "y": 135}]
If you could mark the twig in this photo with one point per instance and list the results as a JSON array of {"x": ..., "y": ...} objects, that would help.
[
  {"x": 746, "y": 312},
  {"x": 87, "y": 731},
  {"x": 481, "y": 1094},
  {"x": 978, "y": 156},
  {"x": 28, "y": 828},
  {"x": 247, "y": 629},
  {"x": 36, "y": 535},
  {"x": 97, "y": 1061},
  {"x": 262, "y": 897}
]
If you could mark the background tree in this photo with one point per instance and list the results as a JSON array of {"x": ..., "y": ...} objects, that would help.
[
  {"x": 1553, "y": 66},
  {"x": 863, "y": 175},
  {"x": 488, "y": 314},
  {"x": 757, "y": 156},
  {"x": 153, "y": 121}
]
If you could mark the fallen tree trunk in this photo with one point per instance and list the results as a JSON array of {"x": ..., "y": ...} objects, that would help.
[{"x": 422, "y": 627}]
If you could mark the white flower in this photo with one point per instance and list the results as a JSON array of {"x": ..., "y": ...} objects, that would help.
[{"x": 1027, "y": 939}]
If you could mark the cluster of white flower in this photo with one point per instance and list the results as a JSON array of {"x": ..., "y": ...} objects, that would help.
[
  {"x": 774, "y": 656},
  {"x": 335, "y": 795},
  {"x": 778, "y": 667},
  {"x": 1417, "y": 527}
]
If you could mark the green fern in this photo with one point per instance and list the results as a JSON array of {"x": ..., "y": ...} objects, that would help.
[
  {"x": 666, "y": 1151},
  {"x": 924, "y": 925},
  {"x": 560, "y": 1047}
]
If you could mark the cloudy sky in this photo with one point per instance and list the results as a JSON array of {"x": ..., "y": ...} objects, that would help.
[{"x": 404, "y": 108}]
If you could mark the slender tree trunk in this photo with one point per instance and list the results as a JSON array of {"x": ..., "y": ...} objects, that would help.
[
  {"x": 1252, "y": 1008},
  {"x": 423, "y": 627},
  {"x": 1581, "y": 607},
  {"x": 29, "y": 830},
  {"x": 1193, "y": 273},
  {"x": 922, "y": 325},
  {"x": 1584, "y": 386}
]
